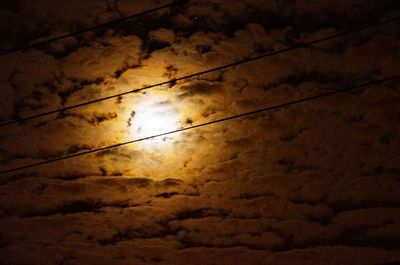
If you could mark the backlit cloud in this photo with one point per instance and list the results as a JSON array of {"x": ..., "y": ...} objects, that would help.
[{"x": 314, "y": 183}]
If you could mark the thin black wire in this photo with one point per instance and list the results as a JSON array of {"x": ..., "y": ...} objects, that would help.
[
  {"x": 200, "y": 73},
  {"x": 278, "y": 106},
  {"x": 108, "y": 24}
]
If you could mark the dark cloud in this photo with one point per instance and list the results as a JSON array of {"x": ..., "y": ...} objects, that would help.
[{"x": 315, "y": 183}]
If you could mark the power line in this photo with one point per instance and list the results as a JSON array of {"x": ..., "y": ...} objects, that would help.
[
  {"x": 278, "y": 106},
  {"x": 254, "y": 58},
  {"x": 107, "y": 24}
]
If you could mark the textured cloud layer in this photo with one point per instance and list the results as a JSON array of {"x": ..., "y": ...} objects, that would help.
[{"x": 316, "y": 183}]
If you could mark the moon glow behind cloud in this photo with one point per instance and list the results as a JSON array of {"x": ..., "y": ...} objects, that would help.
[
  {"x": 310, "y": 184},
  {"x": 153, "y": 117}
]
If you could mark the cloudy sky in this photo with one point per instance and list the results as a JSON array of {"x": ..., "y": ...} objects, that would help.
[{"x": 314, "y": 183}]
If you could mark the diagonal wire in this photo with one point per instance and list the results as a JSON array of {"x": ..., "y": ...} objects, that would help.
[
  {"x": 242, "y": 115},
  {"x": 104, "y": 25},
  {"x": 251, "y": 59}
]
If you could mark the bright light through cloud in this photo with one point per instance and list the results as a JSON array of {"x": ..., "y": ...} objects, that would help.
[{"x": 152, "y": 118}]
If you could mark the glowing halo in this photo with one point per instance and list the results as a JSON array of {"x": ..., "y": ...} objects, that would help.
[{"x": 152, "y": 118}]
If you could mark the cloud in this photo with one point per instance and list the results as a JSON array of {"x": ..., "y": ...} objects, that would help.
[
  {"x": 312, "y": 183},
  {"x": 102, "y": 59},
  {"x": 162, "y": 35}
]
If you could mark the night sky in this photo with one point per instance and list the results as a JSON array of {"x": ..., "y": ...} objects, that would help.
[{"x": 312, "y": 183}]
